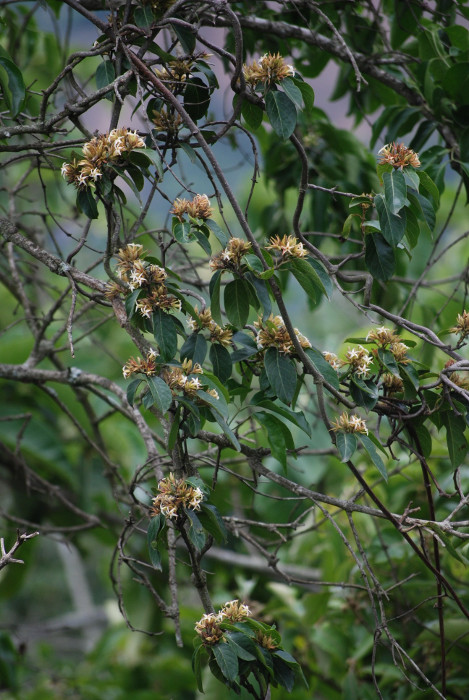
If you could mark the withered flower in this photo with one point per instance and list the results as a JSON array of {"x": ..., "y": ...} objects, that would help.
[
  {"x": 288, "y": 246},
  {"x": 350, "y": 424},
  {"x": 174, "y": 494},
  {"x": 199, "y": 207},
  {"x": 270, "y": 69},
  {"x": 462, "y": 325},
  {"x": 398, "y": 155},
  {"x": 273, "y": 333}
]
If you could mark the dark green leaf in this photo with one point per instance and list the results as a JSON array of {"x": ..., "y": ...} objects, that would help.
[
  {"x": 295, "y": 417},
  {"x": 217, "y": 405},
  {"x": 12, "y": 84},
  {"x": 275, "y": 436},
  {"x": 202, "y": 240},
  {"x": 86, "y": 203},
  {"x": 221, "y": 362},
  {"x": 281, "y": 113},
  {"x": 237, "y": 302},
  {"x": 412, "y": 228},
  {"x": 132, "y": 390},
  {"x": 307, "y": 277},
  {"x": 392, "y": 225},
  {"x": 197, "y": 666},
  {"x": 195, "y": 532},
  {"x": 233, "y": 639},
  {"x": 379, "y": 257},
  {"x": 105, "y": 74},
  {"x": 283, "y": 674},
  {"x": 186, "y": 38},
  {"x": 164, "y": 331},
  {"x": 395, "y": 191},
  {"x": 174, "y": 431},
  {"x": 375, "y": 458},
  {"x": 160, "y": 392},
  {"x": 196, "y": 98},
  {"x": 155, "y": 528},
  {"x": 429, "y": 185},
  {"x": 346, "y": 444},
  {"x": 214, "y": 289},
  {"x": 227, "y": 430},
  {"x": 252, "y": 114},
  {"x": 130, "y": 302},
  {"x": 195, "y": 348},
  {"x": 226, "y": 659},
  {"x": 136, "y": 175},
  {"x": 323, "y": 276},
  {"x": 388, "y": 360},
  {"x": 219, "y": 234},
  {"x": 213, "y": 522},
  {"x": 455, "y": 440},
  {"x": 144, "y": 16},
  {"x": 307, "y": 93},
  {"x": 281, "y": 374},
  {"x": 323, "y": 367},
  {"x": 293, "y": 92},
  {"x": 364, "y": 392}
]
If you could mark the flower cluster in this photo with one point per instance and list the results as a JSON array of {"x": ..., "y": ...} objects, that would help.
[
  {"x": 386, "y": 337},
  {"x": 179, "y": 379},
  {"x": 359, "y": 361},
  {"x": 97, "y": 153},
  {"x": 350, "y": 424},
  {"x": 462, "y": 382},
  {"x": 398, "y": 155},
  {"x": 274, "y": 333},
  {"x": 165, "y": 120},
  {"x": 270, "y": 69},
  {"x": 462, "y": 325},
  {"x": 174, "y": 494},
  {"x": 392, "y": 383},
  {"x": 288, "y": 246},
  {"x": 334, "y": 361},
  {"x": 199, "y": 207},
  {"x": 139, "y": 366},
  {"x": 217, "y": 333},
  {"x": 230, "y": 258},
  {"x": 208, "y": 627},
  {"x": 133, "y": 270}
]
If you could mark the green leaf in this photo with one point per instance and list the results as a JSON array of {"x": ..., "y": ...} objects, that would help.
[
  {"x": 174, "y": 431},
  {"x": 275, "y": 436},
  {"x": 388, "y": 360},
  {"x": 281, "y": 113},
  {"x": 307, "y": 93},
  {"x": 374, "y": 456},
  {"x": 196, "y": 98},
  {"x": 132, "y": 390},
  {"x": 346, "y": 444},
  {"x": 189, "y": 151},
  {"x": 86, "y": 203},
  {"x": 242, "y": 653},
  {"x": 221, "y": 362},
  {"x": 202, "y": 240},
  {"x": 160, "y": 392},
  {"x": 323, "y": 367},
  {"x": 194, "y": 348},
  {"x": 186, "y": 38},
  {"x": 395, "y": 191},
  {"x": 237, "y": 302},
  {"x": 429, "y": 185},
  {"x": 214, "y": 290},
  {"x": 212, "y": 521},
  {"x": 364, "y": 392},
  {"x": 154, "y": 531},
  {"x": 308, "y": 278},
  {"x": 281, "y": 374},
  {"x": 253, "y": 262},
  {"x": 164, "y": 331},
  {"x": 293, "y": 92},
  {"x": 379, "y": 257},
  {"x": 227, "y": 430},
  {"x": 252, "y": 114},
  {"x": 262, "y": 294},
  {"x": 195, "y": 532},
  {"x": 323, "y": 276},
  {"x": 295, "y": 417},
  {"x": 226, "y": 659},
  {"x": 283, "y": 674},
  {"x": 412, "y": 228},
  {"x": 455, "y": 440},
  {"x": 12, "y": 84},
  {"x": 143, "y": 16},
  {"x": 392, "y": 225},
  {"x": 219, "y": 234},
  {"x": 197, "y": 665},
  {"x": 105, "y": 74}
]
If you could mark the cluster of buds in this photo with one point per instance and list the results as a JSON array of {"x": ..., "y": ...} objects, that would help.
[
  {"x": 462, "y": 382},
  {"x": 392, "y": 383},
  {"x": 273, "y": 333},
  {"x": 270, "y": 69},
  {"x": 288, "y": 246},
  {"x": 462, "y": 325},
  {"x": 398, "y": 155},
  {"x": 165, "y": 120},
  {"x": 208, "y": 627},
  {"x": 198, "y": 208},
  {"x": 175, "y": 494},
  {"x": 139, "y": 366},
  {"x": 350, "y": 424},
  {"x": 97, "y": 153},
  {"x": 230, "y": 258},
  {"x": 217, "y": 333},
  {"x": 359, "y": 361},
  {"x": 133, "y": 270},
  {"x": 179, "y": 379},
  {"x": 334, "y": 361},
  {"x": 266, "y": 641},
  {"x": 387, "y": 338},
  {"x": 176, "y": 72}
]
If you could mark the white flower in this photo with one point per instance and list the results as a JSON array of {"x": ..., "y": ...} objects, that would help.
[
  {"x": 82, "y": 179},
  {"x": 63, "y": 169},
  {"x": 95, "y": 173}
]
